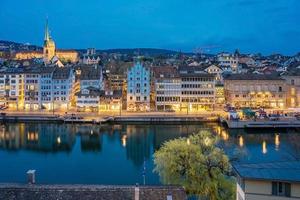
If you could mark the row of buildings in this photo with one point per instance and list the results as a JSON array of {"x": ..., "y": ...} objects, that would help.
[{"x": 167, "y": 88}]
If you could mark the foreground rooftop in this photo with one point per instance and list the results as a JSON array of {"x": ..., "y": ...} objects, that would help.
[
  {"x": 90, "y": 192},
  {"x": 275, "y": 171}
]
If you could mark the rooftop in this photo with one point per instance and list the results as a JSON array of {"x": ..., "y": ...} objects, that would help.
[
  {"x": 165, "y": 72},
  {"x": 89, "y": 192},
  {"x": 279, "y": 171},
  {"x": 253, "y": 77},
  {"x": 62, "y": 72}
]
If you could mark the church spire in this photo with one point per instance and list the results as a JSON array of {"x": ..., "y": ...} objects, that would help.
[{"x": 47, "y": 35}]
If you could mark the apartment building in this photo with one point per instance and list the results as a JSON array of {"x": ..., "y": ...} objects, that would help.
[
  {"x": 255, "y": 90},
  {"x": 12, "y": 88},
  {"x": 32, "y": 82},
  {"x": 46, "y": 88},
  {"x": 138, "y": 88},
  {"x": 63, "y": 82}
]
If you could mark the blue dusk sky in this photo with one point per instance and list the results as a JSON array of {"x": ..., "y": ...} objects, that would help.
[{"x": 266, "y": 26}]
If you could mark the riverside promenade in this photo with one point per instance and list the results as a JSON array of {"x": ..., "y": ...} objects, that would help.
[{"x": 104, "y": 117}]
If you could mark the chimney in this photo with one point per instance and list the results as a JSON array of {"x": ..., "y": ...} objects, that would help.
[
  {"x": 137, "y": 192},
  {"x": 31, "y": 176}
]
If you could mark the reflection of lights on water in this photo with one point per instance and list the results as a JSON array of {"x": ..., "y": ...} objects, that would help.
[
  {"x": 241, "y": 141},
  {"x": 225, "y": 135},
  {"x": 188, "y": 141},
  {"x": 32, "y": 136},
  {"x": 92, "y": 132},
  {"x": 264, "y": 147},
  {"x": 58, "y": 140},
  {"x": 219, "y": 130},
  {"x": 124, "y": 140},
  {"x": 277, "y": 141}
]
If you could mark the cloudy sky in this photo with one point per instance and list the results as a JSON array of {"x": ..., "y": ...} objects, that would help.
[{"x": 266, "y": 26}]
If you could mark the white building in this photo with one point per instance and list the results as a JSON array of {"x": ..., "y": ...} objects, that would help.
[
  {"x": 138, "y": 88},
  {"x": 228, "y": 61},
  {"x": 63, "y": 81},
  {"x": 46, "y": 88},
  {"x": 88, "y": 99},
  {"x": 90, "y": 58},
  {"x": 12, "y": 88}
]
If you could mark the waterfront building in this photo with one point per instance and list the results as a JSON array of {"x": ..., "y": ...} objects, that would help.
[
  {"x": 32, "y": 95},
  {"x": 46, "y": 87},
  {"x": 49, "y": 51},
  {"x": 91, "y": 76},
  {"x": 88, "y": 99},
  {"x": 255, "y": 90},
  {"x": 292, "y": 78},
  {"x": 12, "y": 88},
  {"x": 111, "y": 101},
  {"x": 138, "y": 88},
  {"x": 167, "y": 88},
  {"x": 268, "y": 181},
  {"x": 228, "y": 61},
  {"x": 63, "y": 80},
  {"x": 197, "y": 90}
]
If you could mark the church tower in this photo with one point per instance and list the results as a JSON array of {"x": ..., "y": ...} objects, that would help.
[{"x": 49, "y": 46}]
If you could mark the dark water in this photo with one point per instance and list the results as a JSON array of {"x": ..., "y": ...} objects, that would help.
[{"x": 119, "y": 154}]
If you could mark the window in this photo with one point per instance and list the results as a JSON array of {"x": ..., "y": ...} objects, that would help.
[
  {"x": 280, "y": 89},
  {"x": 281, "y": 189},
  {"x": 293, "y": 82},
  {"x": 145, "y": 98}
]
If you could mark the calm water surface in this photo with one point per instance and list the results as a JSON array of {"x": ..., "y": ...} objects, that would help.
[{"x": 119, "y": 154}]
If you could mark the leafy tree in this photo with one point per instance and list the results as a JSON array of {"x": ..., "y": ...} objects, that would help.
[{"x": 198, "y": 165}]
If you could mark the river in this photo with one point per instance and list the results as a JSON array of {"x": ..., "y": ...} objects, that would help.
[{"x": 120, "y": 154}]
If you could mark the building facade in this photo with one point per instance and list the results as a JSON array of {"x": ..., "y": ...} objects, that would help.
[
  {"x": 228, "y": 61},
  {"x": 293, "y": 88},
  {"x": 63, "y": 81},
  {"x": 88, "y": 99},
  {"x": 255, "y": 91},
  {"x": 167, "y": 89},
  {"x": 12, "y": 89},
  {"x": 138, "y": 88}
]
